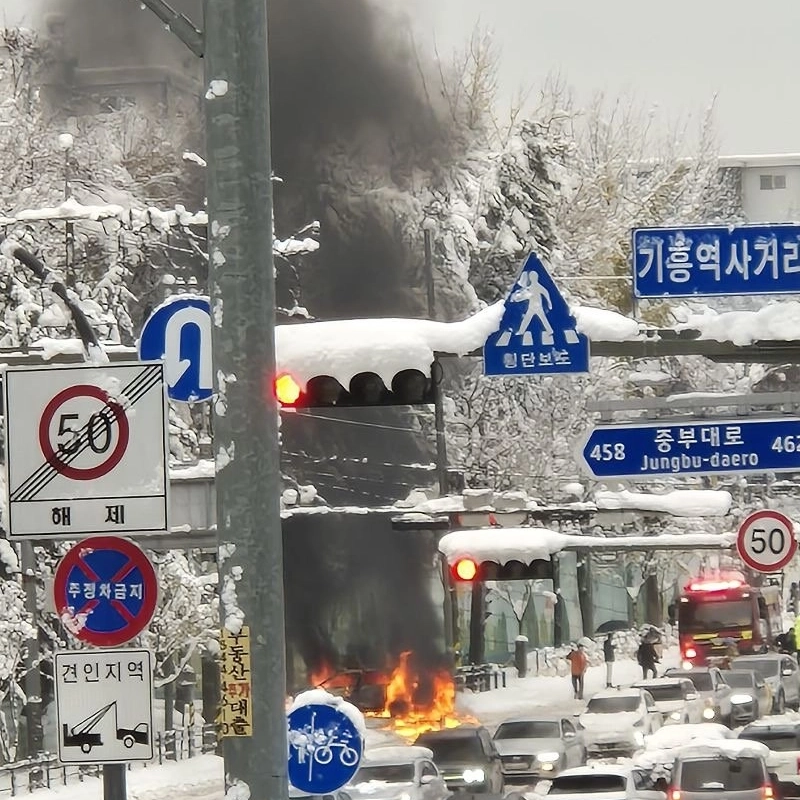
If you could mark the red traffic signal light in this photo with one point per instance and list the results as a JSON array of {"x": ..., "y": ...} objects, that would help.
[
  {"x": 465, "y": 569},
  {"x": 287, "y": 389}
]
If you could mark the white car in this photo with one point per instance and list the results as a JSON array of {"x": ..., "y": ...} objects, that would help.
[
  {"x": 606, "y": 781},
  {"x": 388, "y": 773},
  {"x": 616, "y": 721},
  {"x": 676, "y": 699},
  {"x": 782, "y": 736}
]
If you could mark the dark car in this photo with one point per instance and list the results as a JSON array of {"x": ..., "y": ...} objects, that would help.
[{"x": 467, "y": 758}]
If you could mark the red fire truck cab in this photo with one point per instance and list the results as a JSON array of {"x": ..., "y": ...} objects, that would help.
[{"x": 716, "y": 615}]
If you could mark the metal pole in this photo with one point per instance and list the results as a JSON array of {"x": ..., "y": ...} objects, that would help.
[
  {"x": 33, "y": 676},
  {"x": 438, "y": 405},
  {"x": 242, "y": 275},
  {"x": 114, "y": 782}
]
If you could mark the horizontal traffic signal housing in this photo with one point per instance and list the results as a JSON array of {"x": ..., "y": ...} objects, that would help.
[
  {"x": 409, "y": 387},
  {"x": 469, "y": 570}
]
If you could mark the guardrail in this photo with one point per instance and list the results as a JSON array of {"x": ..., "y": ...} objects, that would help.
[
  {"x": 480, "y": 677},
  {"x": 23, "y": 777}
]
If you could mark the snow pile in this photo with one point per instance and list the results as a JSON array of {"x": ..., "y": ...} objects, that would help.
[
  {"x": 319, "y": 697},
  {"x": 604, "y": 325},
  {"x": 777, "y": 321},
  {"x": 679, "y": 502}
]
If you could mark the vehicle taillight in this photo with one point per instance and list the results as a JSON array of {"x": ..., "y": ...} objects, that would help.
[
  {"x": 690, "y": 652},
  {"x": 675, "y": 794},
  {"x": 768, "y": 792}
]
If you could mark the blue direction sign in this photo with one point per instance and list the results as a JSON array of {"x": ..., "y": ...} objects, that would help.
[
  {"x": 325, "y": 748},
  {"x": 179, "y": 333},
  {"x": 724, "y": 260},
  {"x": 537, "y": 334},
  {"x": 693, "y": 448}
]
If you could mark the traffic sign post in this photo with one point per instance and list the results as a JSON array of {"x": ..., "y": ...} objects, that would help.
[
  {"x": 105, "y": 591},
  {"x": 718, "y": 260},
  {"x": 766, "y": 541},
  {"x": 537, "y": 333},
  {"x": 325, "y": 748},
  {"x": 86, "y": 450},
  {"x": 104, "y": 705},
  {"x": 178, "y": 333},
  {"x": 712, "y": 446}
]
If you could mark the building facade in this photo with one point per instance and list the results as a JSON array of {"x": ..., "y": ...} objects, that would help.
[{"x": 769, "y": 185}]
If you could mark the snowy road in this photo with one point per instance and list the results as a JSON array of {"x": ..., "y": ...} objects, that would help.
[{"x": 201, "y": 778}]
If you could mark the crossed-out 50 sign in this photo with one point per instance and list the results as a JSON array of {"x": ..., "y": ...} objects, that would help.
[{"x": 766, "y": 541}]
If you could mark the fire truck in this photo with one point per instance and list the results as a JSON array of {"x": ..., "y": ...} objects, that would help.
[{"x": 724, "y": 615}]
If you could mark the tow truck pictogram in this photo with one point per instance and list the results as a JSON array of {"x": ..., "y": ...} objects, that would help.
[{"x": 82, "y": 734}]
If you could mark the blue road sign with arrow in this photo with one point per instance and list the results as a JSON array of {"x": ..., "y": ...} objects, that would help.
[
  {"x": 179, "y": 333},
  {"x": 537, "y": 334},
  {"x": 325, "y": 748},
  {"x": 693, "y": 448}
]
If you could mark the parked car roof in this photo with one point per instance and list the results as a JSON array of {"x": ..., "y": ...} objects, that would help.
[
  {"x": 667, "y": 681},
  {"x": 396, "y": 754},
  {"x": 622, "y": 770}
]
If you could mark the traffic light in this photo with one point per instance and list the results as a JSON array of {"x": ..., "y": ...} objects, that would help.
[
  {"x": 409, "y": 387},
  {"x": 468, "y": 570}
]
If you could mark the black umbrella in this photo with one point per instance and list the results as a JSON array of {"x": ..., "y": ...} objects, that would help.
[{"x": 613, "y": 625}]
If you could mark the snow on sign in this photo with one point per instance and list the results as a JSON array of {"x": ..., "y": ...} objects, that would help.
[
  {"x": 179, "y": 332},
  {"x": 105, "y": 591},
  {"x": 537, "y": 333},
  {"x": 104, "y": 705},
  {"x": 766, "y": 541},
  {"x": 86, "y": 450}
]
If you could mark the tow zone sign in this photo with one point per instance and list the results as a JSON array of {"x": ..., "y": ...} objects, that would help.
[{"x": 86, "y": 450}]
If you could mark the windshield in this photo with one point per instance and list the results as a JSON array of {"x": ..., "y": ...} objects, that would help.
[
  {"x": 779, "y": 741},
  {"x": 612, "y": 705},
  {"x": 456, "y": 750},
  {"x": 586, "y": 784},
  {"x": 741, "y": 680},
  {"x": 715, "y": 616},
  {"x": 766, "y": 667},
  {"x": 669, "y": 692},
  {"x": 387, "y": 773},
  {"x": 528, "y": 730},
  {"x": 700, "y": 680},
  {"x": 722, "y": 774}
]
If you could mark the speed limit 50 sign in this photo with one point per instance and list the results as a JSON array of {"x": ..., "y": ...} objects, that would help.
[
  {"x": 766, "y": 541},
  {"x": 86, "y": 450}
]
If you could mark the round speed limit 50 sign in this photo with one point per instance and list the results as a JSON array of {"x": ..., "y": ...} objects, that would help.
[{"x": 766, "y": 541}]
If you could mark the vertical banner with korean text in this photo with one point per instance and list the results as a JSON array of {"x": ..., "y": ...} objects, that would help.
[{"x": 235, "y": 716}]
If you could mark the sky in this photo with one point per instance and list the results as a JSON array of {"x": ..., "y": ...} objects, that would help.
[{"x": 675, "y": 55}]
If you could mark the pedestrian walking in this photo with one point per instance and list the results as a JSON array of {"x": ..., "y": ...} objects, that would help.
[
  {"x": 608, "y": 655},
  {"x": 648, "y": 658},
  {"x": 578, "y": 662}
]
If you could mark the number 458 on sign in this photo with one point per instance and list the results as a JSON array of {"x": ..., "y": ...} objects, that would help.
[{"x": 608, "y": 452}]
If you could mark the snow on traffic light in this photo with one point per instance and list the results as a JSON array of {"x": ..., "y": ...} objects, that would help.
[{"x": 370, "y": 362}]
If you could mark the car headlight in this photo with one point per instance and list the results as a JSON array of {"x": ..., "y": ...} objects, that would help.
[
  {"x": 473, "y": 775},
  {"x": 547, "y": 757},
  {"x": 638, "y": 738},
  {"x": 709, "y": 713},
  {"x": 741, "y": 698},
  {"x": 676, "y": 715},
  {"x": 404, "y": 796}
]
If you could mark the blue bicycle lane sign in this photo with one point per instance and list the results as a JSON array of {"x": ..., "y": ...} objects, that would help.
[{"x": 325, "y": 748}]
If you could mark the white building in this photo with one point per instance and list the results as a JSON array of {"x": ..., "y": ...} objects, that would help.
[{"x": 769, "y": 185}]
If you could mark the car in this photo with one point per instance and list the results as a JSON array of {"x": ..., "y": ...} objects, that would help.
[
  {"x": 389, "y": 772},
  {"x": 676, "y": 699},
  {"x": 671, "y": 736},
  {"x": 611, "y": 781},
  {"x": 616, "y": 721},
  {"x": 720, "y": 771},
  {"x": 782, "y": 736},
  {"x": 751, "y": 697},
  {"x": 711, "y": 686},
  {"x": 538, "y": 747},
  {"x": 780, "y": 673},
  {"x": 466, "y": 757}
]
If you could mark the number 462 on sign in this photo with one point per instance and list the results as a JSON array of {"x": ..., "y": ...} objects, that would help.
[{"x": 786, "y": 444}]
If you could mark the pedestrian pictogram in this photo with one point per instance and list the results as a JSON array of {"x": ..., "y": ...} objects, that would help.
[
  {"x": 104, "y": 704},
  {"x": 766, "y": 541},
  {"x": 537, "y": 334},
  {"x": 179, "y": 333},
  {"x": 105, "y": 591},
  {"x": 325, "y": 748},
  {"x": 86, "y": 450}
]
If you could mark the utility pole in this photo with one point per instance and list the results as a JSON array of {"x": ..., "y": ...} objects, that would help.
[{"x": 239, "y": 197}]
